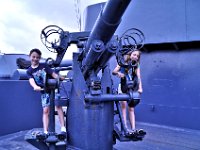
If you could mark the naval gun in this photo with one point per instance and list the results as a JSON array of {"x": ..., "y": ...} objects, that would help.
[{"x": 91, "y": 104}]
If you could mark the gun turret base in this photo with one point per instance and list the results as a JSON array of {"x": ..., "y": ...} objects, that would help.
[
  {"x": 62, "y": 136},
  {"x": 40, "y": 140},
  {"x": 41, "y": 136},
  {"x": 123, "y": 136}
]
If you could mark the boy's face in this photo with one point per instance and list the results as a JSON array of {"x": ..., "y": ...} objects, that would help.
[
  {"x": 35, "y": 58},
  {"x": 135, "y": 56}
]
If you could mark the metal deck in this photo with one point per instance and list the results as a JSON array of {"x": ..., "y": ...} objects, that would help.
[{"x": 157, "y": 138}]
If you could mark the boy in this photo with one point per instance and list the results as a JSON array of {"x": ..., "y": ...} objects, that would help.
[{"x": 36, "y": 73}]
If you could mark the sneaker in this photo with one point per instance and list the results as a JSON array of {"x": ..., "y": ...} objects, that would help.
[
  {"x": 130, "y": 133},
  {"x": 41, "y": 136},
  {"x": 141, "y": 132},
  {"x": 62, "y": 136}
]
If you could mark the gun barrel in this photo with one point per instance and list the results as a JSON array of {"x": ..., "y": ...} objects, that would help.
[
  {"x": 111, "y": 48},
  {"x": 108, "y": 21},
  {"x": 96, "y": 48},
  {"x": 105, "y": 27}
]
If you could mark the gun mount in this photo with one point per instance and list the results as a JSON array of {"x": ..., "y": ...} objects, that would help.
[{"x": 90, "y": 111}]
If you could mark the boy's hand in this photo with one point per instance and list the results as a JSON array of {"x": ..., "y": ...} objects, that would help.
[
  {"x": 57, "y": 76},
  {"x": 37, "y": 88},
  {"x": 120, "y": 75},
  {"x": 62, "y": 78},
  {"x": 140, "y": 90}
]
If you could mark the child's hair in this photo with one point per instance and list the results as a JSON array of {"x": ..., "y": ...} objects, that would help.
[
  {"x": 35, "y": 50},
  {"x": 139, "y": 54},
  {"x": 127, "y": 56}
]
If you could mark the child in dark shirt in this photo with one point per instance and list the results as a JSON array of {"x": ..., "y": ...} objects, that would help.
[
  {"x": 36, "y": 74},
  {"x": 132, "y": 73}
]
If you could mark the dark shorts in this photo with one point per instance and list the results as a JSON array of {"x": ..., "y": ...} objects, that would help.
[{"x": 124, "y": 87}]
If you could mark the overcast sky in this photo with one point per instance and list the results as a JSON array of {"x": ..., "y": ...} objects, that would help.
[{"x": 21, "y": 21}]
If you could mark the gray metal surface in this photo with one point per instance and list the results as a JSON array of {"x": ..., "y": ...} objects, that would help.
[
  {"x": 161, "y": 21},
  {"x": 89, "y": 126},
  {"x": 20, "y": 107},
  {"x": 157, "y": 138},
  {"x": 8, "y": 64}
]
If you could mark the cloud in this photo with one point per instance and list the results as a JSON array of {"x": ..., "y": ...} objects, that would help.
[{"x": 21, "y": 22}]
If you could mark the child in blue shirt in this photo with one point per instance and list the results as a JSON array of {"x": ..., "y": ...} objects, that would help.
[{"x": 36, "y": 74}]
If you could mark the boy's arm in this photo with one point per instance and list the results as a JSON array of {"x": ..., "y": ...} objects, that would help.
[
  {"x": 56, "y": 76},
  {"x": 34, "y": 85},
  {"x": 140, "y": 90}
]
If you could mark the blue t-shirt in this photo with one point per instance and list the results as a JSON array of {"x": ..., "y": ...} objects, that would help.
[{"x": 39, "y": 74}]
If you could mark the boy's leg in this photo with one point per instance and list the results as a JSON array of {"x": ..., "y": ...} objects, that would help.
[
  {"x": 61, "y": 118},
  {"x": 45, "y": 119}
]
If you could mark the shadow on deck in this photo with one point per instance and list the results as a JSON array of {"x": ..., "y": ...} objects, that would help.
[{"x": 164, "y": 138}]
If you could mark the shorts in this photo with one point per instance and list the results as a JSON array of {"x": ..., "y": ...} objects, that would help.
[
  {"x": 123, "y": 88},
  {"x": 45, "y": 99}
]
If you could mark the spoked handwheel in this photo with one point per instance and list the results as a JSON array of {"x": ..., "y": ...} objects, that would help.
[
  {"x": 132, "y": 39},
  {"x": 50, "y": 37}
]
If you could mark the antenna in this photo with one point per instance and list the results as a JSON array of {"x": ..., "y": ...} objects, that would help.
[{"x": 77, "y": 6}]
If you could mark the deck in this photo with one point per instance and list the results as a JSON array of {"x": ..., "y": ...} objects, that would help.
[{"x": 157, "y": 138}]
